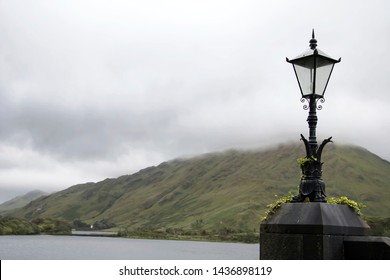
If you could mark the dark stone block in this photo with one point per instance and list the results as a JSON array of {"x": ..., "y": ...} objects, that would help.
[
  {"x": 281, "y": 246},
  {"x": 332, "y": 247},
  {"x": 309, "y": 231},
  {"x": 367, "y": 248},
  {"x": 315, "y": 218}
]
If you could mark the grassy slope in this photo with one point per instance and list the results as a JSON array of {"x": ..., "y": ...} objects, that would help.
[
  {"x": 229, "y": 189},
  {"x": 21, "y": 200}
]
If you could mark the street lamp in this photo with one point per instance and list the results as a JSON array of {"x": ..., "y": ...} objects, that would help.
[{"x": 313, "y": 69}]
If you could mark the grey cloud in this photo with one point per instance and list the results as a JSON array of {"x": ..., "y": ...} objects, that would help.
[
  {"x": 109, "y": 86},
  {"x": 82, "y": 133}
]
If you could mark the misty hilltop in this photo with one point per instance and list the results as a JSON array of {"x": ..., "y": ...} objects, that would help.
[
  {"x": 21, "y": 200},
  {"x": 230, "y": 189}
]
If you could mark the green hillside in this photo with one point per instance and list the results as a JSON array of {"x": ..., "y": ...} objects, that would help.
[
  {"x": 21, "y": 200},
  {"x": 219, "y": 190}
]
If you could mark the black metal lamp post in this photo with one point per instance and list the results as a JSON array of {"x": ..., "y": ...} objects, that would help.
[{"x": 313, "y": 70}]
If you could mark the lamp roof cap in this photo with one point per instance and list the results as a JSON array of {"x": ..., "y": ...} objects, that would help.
[{"x": 314, "y": 51}]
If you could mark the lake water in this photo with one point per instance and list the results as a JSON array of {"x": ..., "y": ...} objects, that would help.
[{"x": 47, "y": 247}]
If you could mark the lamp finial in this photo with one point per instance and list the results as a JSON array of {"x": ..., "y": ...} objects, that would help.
[{"x": 313, "y": 41}]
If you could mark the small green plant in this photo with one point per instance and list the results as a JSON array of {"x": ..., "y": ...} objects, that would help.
[
  {"x": 351, "y": 203},
  {"x": 305, "y": 160},
  {"x": 308, "y": 166},
  {"x": 333, "y": 200},
  {"x": 276, "y": 205}
]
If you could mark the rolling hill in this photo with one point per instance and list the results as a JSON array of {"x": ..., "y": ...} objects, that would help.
[
  {"x": 227, "y": 189},
  {"x": 21, "y": 200}
]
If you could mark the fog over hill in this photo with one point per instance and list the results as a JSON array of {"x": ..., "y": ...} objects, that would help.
[{"x": 230, "y": 189}]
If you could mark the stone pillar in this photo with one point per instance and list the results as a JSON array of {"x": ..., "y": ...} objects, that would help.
[{"x": 309, "y": 231}]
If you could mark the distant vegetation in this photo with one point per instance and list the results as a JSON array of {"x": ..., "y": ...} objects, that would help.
[
  {"x": 52, "y": 226},
  {"x": 195, "y": 232},
  {"x": 379, "y": 226},
  {"x": 9, "y": 225},
  {"x": 20, "y": 226},
  {"x": 98, "y": 225},
  {"x": 214, "y": 196}
]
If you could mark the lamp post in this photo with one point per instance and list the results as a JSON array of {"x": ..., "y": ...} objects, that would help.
[{"x": 312, "y": 69}]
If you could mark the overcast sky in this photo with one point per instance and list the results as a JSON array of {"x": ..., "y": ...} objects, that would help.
[{"x": 96, "y": 89}]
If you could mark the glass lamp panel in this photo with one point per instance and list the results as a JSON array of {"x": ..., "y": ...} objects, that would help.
[
  {"x": 322, "y": 77},
  {"x": 305, "y": 77}
]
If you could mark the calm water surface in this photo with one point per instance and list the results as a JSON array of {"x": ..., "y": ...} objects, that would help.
[{"x": 46, "y": 247}]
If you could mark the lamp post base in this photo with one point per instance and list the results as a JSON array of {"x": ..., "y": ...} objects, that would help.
[
  {"x": 313, "y": 188},
  {"x": 311, "y": 185}
]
